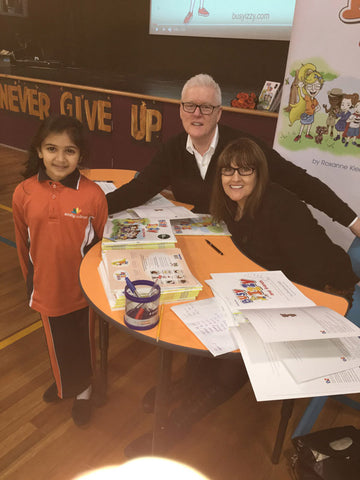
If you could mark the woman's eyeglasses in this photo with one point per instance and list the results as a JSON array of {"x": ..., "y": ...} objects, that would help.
[
  {"x": 189, "y": 107},
  {"x": 242, "y": 171}
]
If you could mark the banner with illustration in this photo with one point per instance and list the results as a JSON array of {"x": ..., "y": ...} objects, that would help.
[{"x": 319, "y": 117}]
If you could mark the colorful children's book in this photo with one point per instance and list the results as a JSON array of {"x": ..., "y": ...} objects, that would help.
[
  {"x": 269, "y": 96},
  {"x": 168, "y": 267},
  {"x": 120, "y": 233},
  {"x": 257, "y": 290},
  {"x": 200, "y": 225}
]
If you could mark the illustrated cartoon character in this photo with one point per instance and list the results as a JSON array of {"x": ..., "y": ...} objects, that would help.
[
  {"x": 352, "y": 132},
  {"x": 118, "y": 263},
  {"x": 320, "y": 132},
  {"x": 202, "y": 11},
  {"x": 152, "y": 227},
  {"x": 335, "y": 96},
  {"x": 306, "y": 86},
  {"x": 351, "y": 13},
  {"x": 348, "y": 101},
  {"x": 120, "y": 275},
  {"x": 247, "y": 283}
]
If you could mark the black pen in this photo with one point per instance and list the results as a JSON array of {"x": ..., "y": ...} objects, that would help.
[{"x": 213, "y": 246}]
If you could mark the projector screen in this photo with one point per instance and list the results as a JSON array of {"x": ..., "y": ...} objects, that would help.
[{"x": 255, "y": 19}]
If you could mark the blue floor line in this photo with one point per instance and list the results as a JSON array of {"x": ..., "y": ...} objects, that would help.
[{"x": 8, "y": 242}]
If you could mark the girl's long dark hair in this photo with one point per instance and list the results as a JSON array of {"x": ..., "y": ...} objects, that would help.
[
  {"x": 242, "y": 152},
  {"x": 55, "y": 124}
]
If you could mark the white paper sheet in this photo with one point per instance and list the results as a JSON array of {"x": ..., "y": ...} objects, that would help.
[
  {"x": 123, "y": 214},
  {"x": 309, "y": 323},
  {"x": 168, "y": 212},
  {"x": 270, "y": 378},
  {"x": 106, "y": 187},
  {"x": 311, "y": 359},
  {"x": 158, "y": 201},
  {"x": 207, "y": 320}
]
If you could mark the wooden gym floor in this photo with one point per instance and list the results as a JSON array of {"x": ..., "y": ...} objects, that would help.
[{"x": 39, "y": 441}]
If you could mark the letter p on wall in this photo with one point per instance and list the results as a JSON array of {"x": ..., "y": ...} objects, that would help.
[
  {"x": 153, "y": 123},
  {"x": 146, "y": 123}
]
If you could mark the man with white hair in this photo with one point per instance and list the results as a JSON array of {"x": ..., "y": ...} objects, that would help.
[{"x": 187, "y": 162}]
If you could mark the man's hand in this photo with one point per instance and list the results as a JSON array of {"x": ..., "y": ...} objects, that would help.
[{"x": 355, "y": 228}]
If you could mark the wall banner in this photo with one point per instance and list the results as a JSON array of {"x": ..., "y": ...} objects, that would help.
[
  {"x": 319, "y": 118},
  {"x": 93, "y": 109},
  {"x": 124, "y": 130}
]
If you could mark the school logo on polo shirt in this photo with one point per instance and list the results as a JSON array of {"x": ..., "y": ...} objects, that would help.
[{"x": 75, "y": 213}]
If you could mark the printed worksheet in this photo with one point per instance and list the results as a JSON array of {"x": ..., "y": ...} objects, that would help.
[
  {"x": 271, "y": 380},
  {"x": 309, "y": 323},
  {"x": 311, "y": 359},
  {"x": 207, "y": 319}
]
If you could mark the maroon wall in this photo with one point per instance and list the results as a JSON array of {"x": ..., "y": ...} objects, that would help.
[{"x": 124, "y": 131}]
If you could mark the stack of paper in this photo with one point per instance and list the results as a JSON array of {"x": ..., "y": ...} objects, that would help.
[
  {"x": 299, "y": 368},
  {"x": 157, "y": 207},
  {"x": 167, "y": 266},
  {"x": 244, "y": 290},
  {"x": 291, "y": 347}
]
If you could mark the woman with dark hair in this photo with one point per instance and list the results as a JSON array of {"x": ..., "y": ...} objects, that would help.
[
  {"x": 274, "y": 228},
  {"x": 270, "y": 225}
]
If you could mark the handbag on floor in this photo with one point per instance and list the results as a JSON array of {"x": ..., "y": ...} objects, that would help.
[{"x": 332, "y": 454}]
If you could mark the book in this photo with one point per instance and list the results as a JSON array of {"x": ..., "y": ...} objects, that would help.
[
  {"x": 123, "y": 233},
  {"x": 167, "y": 266},
  {"x": 269, "y": 96},
  {"x": 251, "y": 290},
  {"x": 200, "y": 225}
]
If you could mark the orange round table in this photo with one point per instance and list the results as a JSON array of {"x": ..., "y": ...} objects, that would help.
[
  {"x": 202, "y": 261},
  {"x": 174, "y": 335}
]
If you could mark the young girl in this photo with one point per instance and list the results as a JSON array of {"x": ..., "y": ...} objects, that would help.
[{"x": 59, "y": 214}]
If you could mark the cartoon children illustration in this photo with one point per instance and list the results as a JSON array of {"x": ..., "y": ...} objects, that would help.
[
  {"x": 352, "y": 132},
  {"x": 302, "y": 102},
  {"x": 335, "y": 96},
  {"x": 348, "y": 101},
  {"x": 202, "y": 11},
  {"x": 307, "y": 84}
]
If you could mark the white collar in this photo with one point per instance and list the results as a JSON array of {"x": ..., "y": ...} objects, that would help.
[{"x": 190, "y": 146}]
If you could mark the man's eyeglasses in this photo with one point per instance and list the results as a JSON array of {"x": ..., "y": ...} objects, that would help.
[
  {"x": 189, "y": 107},
  {"x": 242, "y": 171}
]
